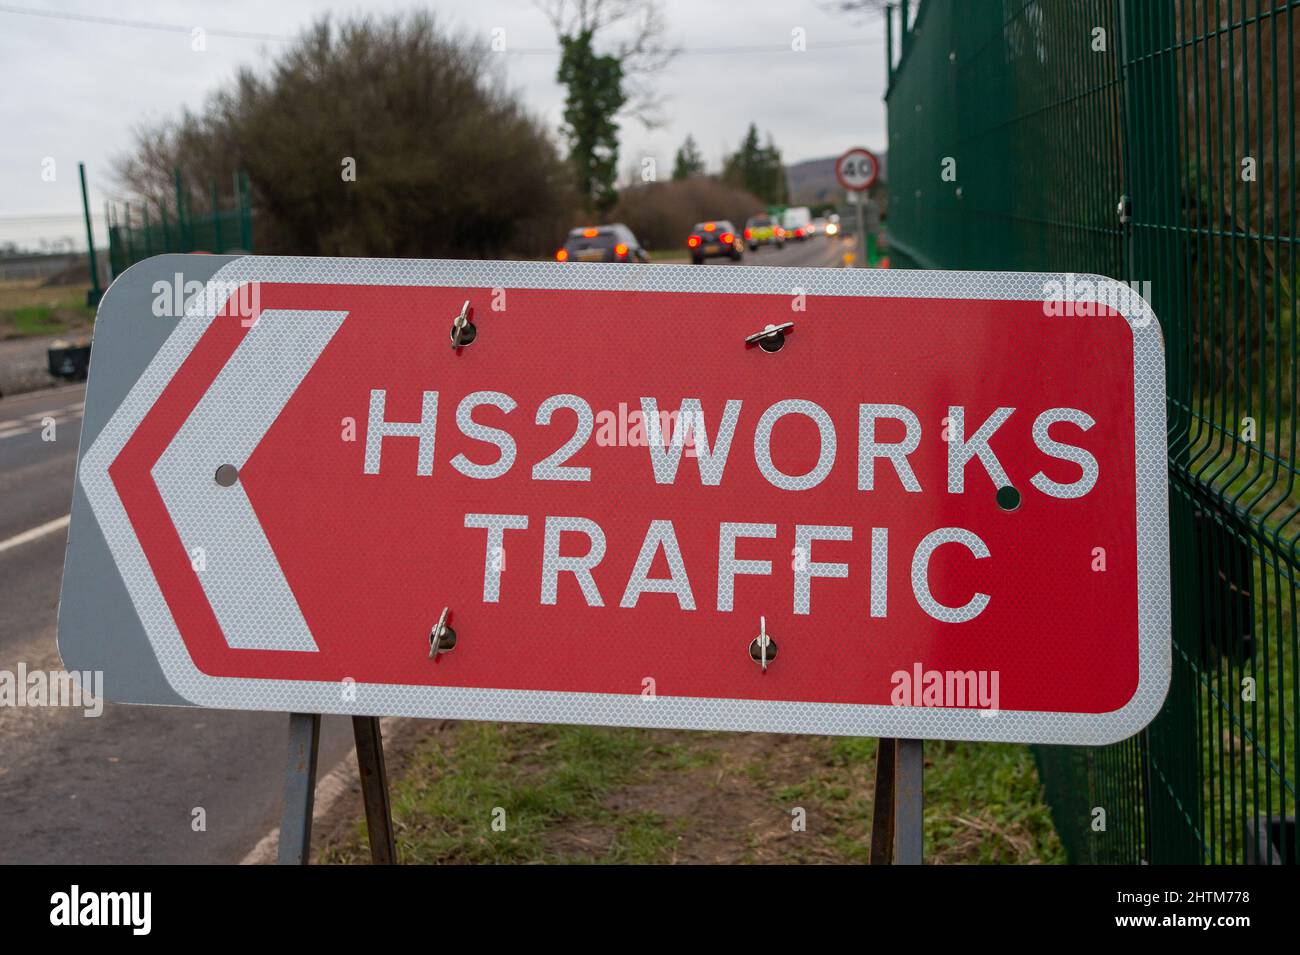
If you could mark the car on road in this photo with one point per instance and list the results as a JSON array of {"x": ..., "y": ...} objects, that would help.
[
  {"x": 764, "y": 230},
  {"x": 797, "y": 221},
  {"x": 712, "y": 239},
  {"x": 819, "y": 225},
  {"x": 602, "y": 243}
]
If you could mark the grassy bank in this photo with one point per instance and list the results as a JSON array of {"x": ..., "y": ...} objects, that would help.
[
  {"x": 508, "y": 793},
  {"x": 28, "y": 309}
]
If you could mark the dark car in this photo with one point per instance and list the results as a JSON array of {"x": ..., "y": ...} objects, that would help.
[
  {"x": 712, "y": 239},
  {"x": 602, "y": 243}
]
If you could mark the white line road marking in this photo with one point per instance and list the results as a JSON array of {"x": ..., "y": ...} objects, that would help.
[
  {"x": 37, "y": 416},
  {"x": 49, "y": 527},
  {"x": 11, "y": 429}
]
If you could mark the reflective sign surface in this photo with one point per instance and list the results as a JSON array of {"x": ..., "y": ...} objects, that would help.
[{"x": 937, "y": 509}]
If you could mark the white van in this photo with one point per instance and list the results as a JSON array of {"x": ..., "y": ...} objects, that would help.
[{"x": 797, "y": 222}]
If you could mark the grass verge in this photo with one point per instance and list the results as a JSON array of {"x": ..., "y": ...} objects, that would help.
[
  {"x": 515, "y": 793},
  {"x": 28, "y": 309}
]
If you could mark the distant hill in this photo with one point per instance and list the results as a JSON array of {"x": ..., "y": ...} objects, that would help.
[{"x": 813, "y": 180}]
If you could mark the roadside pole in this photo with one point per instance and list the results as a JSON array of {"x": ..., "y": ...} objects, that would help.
[
  {"x": 862, "y": 229},
  {"x": 857, "y": 170},
  {"x": 95, "y": 293}
]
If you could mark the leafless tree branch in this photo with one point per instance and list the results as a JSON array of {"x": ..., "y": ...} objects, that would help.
[{"x": 640, "y": 33}]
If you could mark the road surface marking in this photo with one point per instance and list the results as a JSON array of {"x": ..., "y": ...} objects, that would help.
[
  {"x": 36, "y": 532},
  {"x": 11, "y": 429}
]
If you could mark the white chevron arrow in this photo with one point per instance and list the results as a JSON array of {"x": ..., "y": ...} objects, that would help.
[{"x": 241, "y": 575}]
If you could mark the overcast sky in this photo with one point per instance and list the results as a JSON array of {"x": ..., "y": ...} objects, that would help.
[{"x": 73, "y": 90}]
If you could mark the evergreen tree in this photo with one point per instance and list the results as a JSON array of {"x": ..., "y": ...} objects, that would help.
[
  {"x": 689, "y": 161},
  {"x": 757, "y": 168},
  {"x": 595, "y": 94}
]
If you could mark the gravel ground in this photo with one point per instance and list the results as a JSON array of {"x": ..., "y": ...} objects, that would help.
[{"x": 24, "y": 365}]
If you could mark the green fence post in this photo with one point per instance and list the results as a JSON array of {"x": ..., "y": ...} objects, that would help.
[
  {"x": 114, "y": 241},
  {"x": 246, "y": 217},
  {"x": 1154, "y": 240},
  {"x": 162, "y": 216},
  {"x": 95, "y": 293},
  {"x": 129, "y": 232},
  {"x": 889, "y": 45},
  {"x": 216, "y": 221},
  {"x": 238, "y": 200},
  {"x": 182, "y": 227}
]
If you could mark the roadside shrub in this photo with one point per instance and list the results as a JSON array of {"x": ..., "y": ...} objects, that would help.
[
  {"x": 447, "y": 162},
  {"x": 663, "y": 213}
]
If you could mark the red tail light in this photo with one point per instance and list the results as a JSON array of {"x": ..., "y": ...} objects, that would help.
[
  {"x": 749, "y": 233},
  {"x": 693, "y": 241},
  {"x": 728, "y": 238},
  {"x": 562, "y": 255},
  {"x": 620, "y": 250}
]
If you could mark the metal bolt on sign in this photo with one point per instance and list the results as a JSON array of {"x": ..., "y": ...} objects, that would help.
[
  {"x": 1124, "y": 210},
  {"x": 762, "y": 648},
  {"x": 771, "y": 338},
  {"x": 463, "y": 331},
  {"x": 441, "y": 638}
]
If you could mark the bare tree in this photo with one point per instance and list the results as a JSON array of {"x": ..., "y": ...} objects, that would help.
[
  {"x": 858, "y": 6},
  {"x": 638, "y": 29},
  {"x": 860, "y": 10}
]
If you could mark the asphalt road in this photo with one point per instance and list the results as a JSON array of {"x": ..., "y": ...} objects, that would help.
[
  {"x": 820, "y": 251},
  {"x": 123, "y": 787}
]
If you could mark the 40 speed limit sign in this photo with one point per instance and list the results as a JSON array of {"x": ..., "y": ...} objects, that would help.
[
  {"x": 913, "y": 504},
  {"x": 857, "y": 169}
]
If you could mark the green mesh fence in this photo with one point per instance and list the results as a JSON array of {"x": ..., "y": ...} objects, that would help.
[
  {"x": 1152, "y": 141},
  {"x": 180, "y": 222}
]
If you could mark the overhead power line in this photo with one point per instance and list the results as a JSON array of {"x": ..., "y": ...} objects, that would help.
[
  {"x": 41, "y": 217},
  {"x": 769, "y": 48},
  {"x": 143, "y": 24}
]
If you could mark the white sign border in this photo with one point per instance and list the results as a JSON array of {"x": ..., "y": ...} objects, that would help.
[{"x": 1154, "y": 649}]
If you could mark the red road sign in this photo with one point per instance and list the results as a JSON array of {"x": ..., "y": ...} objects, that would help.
[
  {"x": 943, "y": 498},
  {"x": 858, "y": 169}
]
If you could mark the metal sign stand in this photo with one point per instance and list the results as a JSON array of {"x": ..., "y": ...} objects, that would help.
[
  {"x": 300, "y": 789},
  {"x": 897, "y": 832}
]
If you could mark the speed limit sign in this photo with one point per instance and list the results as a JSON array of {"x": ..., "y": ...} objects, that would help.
[{"x": 857, "y": 169}]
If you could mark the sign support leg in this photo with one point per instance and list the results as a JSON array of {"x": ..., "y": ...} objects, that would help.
[
  {"x": 374, "y": 789},
  {"x": 909, "y": 832},
  {"x": 882, "y": 806},
  {"x": 299, "y": 788}
]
